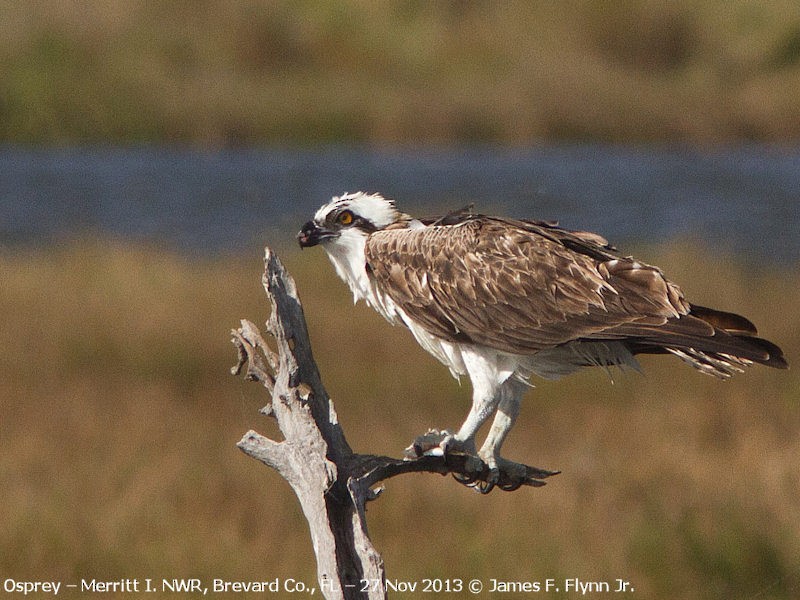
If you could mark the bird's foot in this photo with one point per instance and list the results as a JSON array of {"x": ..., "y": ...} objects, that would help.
[
  {"x": 504, "y": 474},
  {"x": 509, "y": 475},
  {"x": 482, "y": 473}
]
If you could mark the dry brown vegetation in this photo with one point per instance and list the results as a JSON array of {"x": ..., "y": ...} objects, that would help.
[
  {"x": 245, "y": 71},
  {"x": 118, "y": 458}
]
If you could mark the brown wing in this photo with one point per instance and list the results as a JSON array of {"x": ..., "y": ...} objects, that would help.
[
  {"x": 522, "y": 286},
  {"x": 519, "y": 286}
]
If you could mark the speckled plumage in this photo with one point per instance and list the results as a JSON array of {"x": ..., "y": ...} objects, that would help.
[
  {"x": 522, "y": 287},
  {"x": 502, "y": 300}
]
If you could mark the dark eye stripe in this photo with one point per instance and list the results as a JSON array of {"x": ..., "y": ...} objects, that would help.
[
  {"x": 364, "y": 225},
  {"x": 333, "y": 219}
]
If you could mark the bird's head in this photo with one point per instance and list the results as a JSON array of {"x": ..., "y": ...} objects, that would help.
[{"x": 349, "y": 216}]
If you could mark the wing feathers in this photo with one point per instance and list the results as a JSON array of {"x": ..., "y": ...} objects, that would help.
[
  {"x": 506, "y": 285},
  {"x": 524, "y": 286},
  {"x": 730, "y": 322}
]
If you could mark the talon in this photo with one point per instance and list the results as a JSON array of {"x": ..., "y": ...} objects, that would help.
[
  {"x": 467, "y": 480},
  {"x": 511, "y": 475},
  {"x": 474, "y": 467},
  {"x": 485, "y": 487},
  {"x": 511, "y": 485}
]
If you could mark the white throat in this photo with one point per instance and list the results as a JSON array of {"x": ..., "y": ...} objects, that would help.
[
  {"x": 346, "y": 252},
  {"x": 347, "y": 255}
]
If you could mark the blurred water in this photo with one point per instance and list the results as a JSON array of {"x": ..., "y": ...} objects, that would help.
[{"x": 745, "y": 201}]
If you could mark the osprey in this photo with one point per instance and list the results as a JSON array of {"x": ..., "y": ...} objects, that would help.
[{"x": 501, "y": 300}]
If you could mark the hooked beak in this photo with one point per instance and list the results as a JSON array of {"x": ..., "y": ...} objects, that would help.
[{"x": 312, "y": 234}]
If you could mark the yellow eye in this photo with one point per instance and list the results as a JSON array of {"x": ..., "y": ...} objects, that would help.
[{"x": 346, "y": 217}]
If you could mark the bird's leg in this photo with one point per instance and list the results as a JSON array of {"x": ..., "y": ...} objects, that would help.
[
  {"x": 486, "y": 395},
  {"x": 503, "y": 422},
  {"x": 489, "y": 453},
  {"x": 436, "y": 442},
  {"x": 464, "y": 439},
  {"x": 484, "y": 403},
  {"x": 508, "y": 474},
  {"x": 485, "y": 469}
]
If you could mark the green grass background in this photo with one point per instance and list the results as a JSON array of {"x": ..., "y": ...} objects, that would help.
[{"x": 218, "y": 72}]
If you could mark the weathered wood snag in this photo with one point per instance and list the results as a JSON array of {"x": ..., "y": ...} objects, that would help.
[{"x": 332, "y": 483}]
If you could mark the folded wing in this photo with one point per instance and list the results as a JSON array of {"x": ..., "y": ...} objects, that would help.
[{"x": 525, "y": 286}]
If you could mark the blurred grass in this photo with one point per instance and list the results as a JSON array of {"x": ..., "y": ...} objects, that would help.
[
  {"x": 244, "y": 72},
  {"x": 118, "y": 458}
]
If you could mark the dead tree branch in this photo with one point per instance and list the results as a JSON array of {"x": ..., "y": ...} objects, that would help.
[{"x": 332, "y": 483}]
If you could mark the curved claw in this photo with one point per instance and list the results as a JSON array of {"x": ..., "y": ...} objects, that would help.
[
  {"x": 505, "y": 474},
  {"x": 474, "y": 481},
  {"x": 510, "y": 486},
  {"x": 484, "y": 487},
  {"x": 467, "y": 480},
  {"x": 485, "y": 479}
]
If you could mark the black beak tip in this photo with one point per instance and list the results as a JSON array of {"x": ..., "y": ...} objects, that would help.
[{"x": 308, "y": 235}]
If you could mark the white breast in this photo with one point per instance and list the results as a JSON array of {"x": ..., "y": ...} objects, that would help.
[{"x": 347, "y": 255}]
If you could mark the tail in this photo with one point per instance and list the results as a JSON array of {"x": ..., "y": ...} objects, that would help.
[{"x": 713, "y": 341}]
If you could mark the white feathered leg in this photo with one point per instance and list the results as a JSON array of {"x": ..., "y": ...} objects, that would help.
[
  {"x": 487, "y": 392},
  {"x": 482, "y": 408},
  {"x": 494, "y": 390},
  {"x": 507, "y": 410},
  {"x": 485, "y": 398}
]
